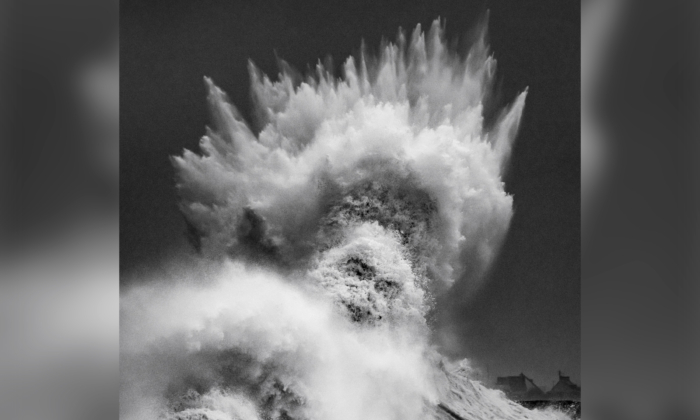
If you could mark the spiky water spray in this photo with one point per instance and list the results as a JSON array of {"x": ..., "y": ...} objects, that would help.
[{"x": 324, "y": 238}]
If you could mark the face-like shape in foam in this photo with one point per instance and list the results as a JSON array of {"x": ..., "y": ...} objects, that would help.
[{"x": 374, "y": 246}]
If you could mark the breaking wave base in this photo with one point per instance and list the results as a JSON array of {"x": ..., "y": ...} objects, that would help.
[{"x": 325, "y": 237}]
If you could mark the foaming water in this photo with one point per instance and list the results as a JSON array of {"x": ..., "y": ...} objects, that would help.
[
  {"x": 325, "y": 238},
  {"x": 253, "y": 337}
]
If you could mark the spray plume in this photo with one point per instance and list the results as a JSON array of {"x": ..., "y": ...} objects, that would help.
[{"x": 325, "y": 238}]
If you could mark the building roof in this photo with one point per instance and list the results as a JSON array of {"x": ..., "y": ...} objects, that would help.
[
  {"x": 522, "y": 388},
  {"x": 564, "y": 389},
  {"x": 519, "y": 387}
]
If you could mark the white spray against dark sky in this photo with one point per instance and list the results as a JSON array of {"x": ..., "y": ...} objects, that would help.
[{"x": 325, "y": 238}]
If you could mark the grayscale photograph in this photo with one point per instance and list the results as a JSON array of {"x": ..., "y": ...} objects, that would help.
[{"x": 350, "y": 210}]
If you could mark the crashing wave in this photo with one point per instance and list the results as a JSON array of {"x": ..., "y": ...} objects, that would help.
[{"x": 325, "y": 237}]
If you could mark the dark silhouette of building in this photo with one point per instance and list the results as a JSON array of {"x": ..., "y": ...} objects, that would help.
[
  {"x": 522, "y": 388},
  {"x": 564, "y": 395},
  {"x": 519, "y": 388},
  {"x": 564, "y": 390}
]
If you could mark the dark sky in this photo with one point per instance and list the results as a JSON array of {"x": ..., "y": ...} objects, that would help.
[{"x": 527, "y": 317}]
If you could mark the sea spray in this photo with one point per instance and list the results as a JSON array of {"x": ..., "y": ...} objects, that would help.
[
  {"x": 413, "y": 120},
  {"x": 251, "y": 335},
  {"x": 325, "y": 237}
]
